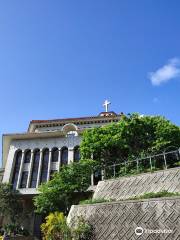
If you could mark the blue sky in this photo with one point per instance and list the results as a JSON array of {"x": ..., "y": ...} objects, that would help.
[{"x": 64, "y": 58}]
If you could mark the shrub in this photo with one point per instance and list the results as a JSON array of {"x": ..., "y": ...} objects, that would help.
[
  {"x": 94, "y": 201},
  {"x": 82, "y": 231},
  {"x": 55, "y": 227},
  {"x": 13, "y": 229},
  {"x": 163, "y": 193}
]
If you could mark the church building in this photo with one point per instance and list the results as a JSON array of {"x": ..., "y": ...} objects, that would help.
[{"x": 30, "y": 159}]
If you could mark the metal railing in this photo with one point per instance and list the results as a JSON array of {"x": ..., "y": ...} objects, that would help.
[{"x": 150, "y": 163}]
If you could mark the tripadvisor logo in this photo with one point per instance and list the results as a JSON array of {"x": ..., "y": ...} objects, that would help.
[{"x": 139, "y": 231}]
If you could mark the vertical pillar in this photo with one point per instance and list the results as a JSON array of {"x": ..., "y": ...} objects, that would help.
[
  {"x": 114, "y": 170},
  {"x": 20, "y": 171},
  {"x": 49, "y": 165},
  {"x": 150, "y": 160},
  {"x": 92, "y": 178},
  {"x": 165, "y": 163},
  {"x": 39, "y": 169},
  {"x": 137, "y": 162},
  {"x": 30, "y": 169},
  {"x": 70, "y": 155},
  {"x": 102, "y": 175},
  {"x": 92, "y": 174},
  {"x": 59, "y": 159}
]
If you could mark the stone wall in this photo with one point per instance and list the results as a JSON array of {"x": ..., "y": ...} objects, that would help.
[
  {"x": 118, "y": 220},
  {"x": 126, "y": 187}
]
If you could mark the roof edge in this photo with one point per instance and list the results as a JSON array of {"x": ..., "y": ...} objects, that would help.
[{"x": 102, "y": 115}]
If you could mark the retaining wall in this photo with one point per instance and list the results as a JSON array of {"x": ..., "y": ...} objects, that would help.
[
  {"x": 126, "y": 187},
  {"x": 118, "y": 220}
]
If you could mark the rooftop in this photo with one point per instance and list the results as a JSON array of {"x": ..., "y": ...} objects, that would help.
[{"x": 102, "y": 114}]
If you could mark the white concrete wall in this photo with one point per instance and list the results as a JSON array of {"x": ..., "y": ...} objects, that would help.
[
  {"x": 59, "y": 128},
  {"x": 70, "y": 142}
]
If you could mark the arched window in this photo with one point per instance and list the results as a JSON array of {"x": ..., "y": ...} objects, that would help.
[
  {"x": 44, "y": 169},
  {"x": 55, "y": 154},
  {"x": 18, "y": 156},
  {"x": 35, "y": 168},
  {"x": 76, "y": 154},
  {"x": 64, "y": 156},
  {"x": 70, "y": 129},
  {"x": 27, "y": 156}
]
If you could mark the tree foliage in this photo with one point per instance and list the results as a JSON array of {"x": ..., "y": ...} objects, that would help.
[
  {"x": 133, "y": 136},
  {"x": 62, "y": 191},
  {"x": 10, "y": 205}
]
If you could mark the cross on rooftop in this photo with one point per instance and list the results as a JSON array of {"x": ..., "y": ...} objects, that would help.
[{"x": 106, "y": 105}]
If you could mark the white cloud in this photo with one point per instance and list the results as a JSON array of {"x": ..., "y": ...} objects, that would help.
[{"x": 166, "y": 73}]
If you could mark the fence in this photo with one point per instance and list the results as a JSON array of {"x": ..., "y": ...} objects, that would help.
[{"x": 151, "y": 163}]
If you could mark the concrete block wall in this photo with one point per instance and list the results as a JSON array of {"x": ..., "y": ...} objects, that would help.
[
  {"x": 126, "y": 187},
  {"x": 158, "y": 219}
]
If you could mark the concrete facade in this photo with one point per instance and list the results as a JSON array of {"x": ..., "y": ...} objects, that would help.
[
  {"x": 70, "y": 142},
  {"x": 47, "y": 134}
]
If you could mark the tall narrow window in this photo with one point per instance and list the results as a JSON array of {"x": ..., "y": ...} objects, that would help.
[
  {"x": 35, "y": 168},
  {"x": 76, "y": 154},
  {"x": 24, "y": 176},
  {"x": 55, "y": 154},
  {"x": 64, "y": 156},
  {"x": 27, "y": 156},
  {"x": 18, "y": 156},
  {"x": 44, "y": 169},
  {"x": 24, "y": 179}
]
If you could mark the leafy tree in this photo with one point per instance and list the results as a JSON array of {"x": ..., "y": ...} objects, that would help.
[
  {"x": 133, "y": 136},
  {"x": 64, "y": 189},
  {"x": 10, "y": 205}
]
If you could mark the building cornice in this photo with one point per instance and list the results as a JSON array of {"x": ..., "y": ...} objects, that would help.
[{"x": 101, "y": 118}]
